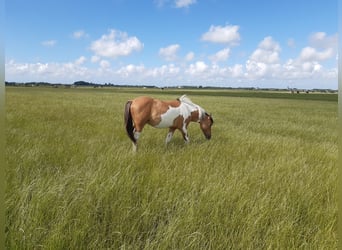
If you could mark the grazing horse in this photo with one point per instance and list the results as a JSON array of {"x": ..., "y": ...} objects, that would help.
[{"x": 175, "y": 114}]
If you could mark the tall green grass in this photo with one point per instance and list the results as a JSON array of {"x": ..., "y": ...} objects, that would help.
[{"x": 266, "y": 180}]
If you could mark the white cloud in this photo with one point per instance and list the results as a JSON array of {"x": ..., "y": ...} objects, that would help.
[
  {"x": 80, "y": 60},
  {"x": 50, "y": 72},
  {"x": 322, "y": 47},
  {"x": 227, "y": 35},
  {"x": 164, "y": 71},
  {"x": 321, "y": 40},
  {"x": 258, "y": 70},
  {"x": 265, "y": 56},
  {"x": 264, "y": 63},
  {"x": 269, "y": 44},
  {"x": 131, "y": 70},
  {"x": 78, "y": 34},
  {"x": 308, "y": 64},
  {"x": 116, "y": 44},
  {"x": 184, "y": 3},
  {"x": 236, "y": 70},
  {"x": 267, "y": 51},
  {"x": 104, "y": 64},
  {"x": 311, "y": 54},
  {"x": 197, "y": 68},
  {"x": 49, "y": 43},
  {"x": 311, "y": 67},
  {"x": 295, "y": 69},
  {"x": 265, "y": 60},
  {"x": 169, "y": 53},
  {"x": 95, "y": 59},
  {"x": 221, "y": 55}
]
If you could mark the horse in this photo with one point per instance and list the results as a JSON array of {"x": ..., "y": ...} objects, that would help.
[{"x": 173, "y": 114}]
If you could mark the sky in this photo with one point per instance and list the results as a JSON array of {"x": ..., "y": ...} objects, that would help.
[{"x": 224, "y": 43}]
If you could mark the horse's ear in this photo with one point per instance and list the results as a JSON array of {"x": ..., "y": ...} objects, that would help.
[{"x": 211, "y": 118}]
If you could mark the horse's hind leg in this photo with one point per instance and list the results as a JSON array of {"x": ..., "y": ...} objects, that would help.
[
  {"x": 139, "y": 120},
  {"x": 137, "y": 132},
  {"x": 135, "y": 146},
  {"x": 136, "y": 137}
]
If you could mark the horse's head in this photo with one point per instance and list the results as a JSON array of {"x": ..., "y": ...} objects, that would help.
[{"x": 205, "y": 123}]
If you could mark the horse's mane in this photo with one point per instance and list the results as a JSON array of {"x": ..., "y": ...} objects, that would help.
[{"x": 187, "y": 100}]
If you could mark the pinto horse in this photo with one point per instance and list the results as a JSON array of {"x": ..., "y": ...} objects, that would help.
[{"x": 175, "y": 114}]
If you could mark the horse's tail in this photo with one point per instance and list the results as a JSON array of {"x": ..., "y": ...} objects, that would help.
[{"x": 129, "y": 122}]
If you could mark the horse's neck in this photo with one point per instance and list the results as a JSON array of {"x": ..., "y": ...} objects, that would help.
[
  {"x": 195, "y": 111},
  {"x": 200, "y": 113}
]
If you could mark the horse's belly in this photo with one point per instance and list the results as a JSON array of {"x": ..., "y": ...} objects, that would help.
[{"x": 167, "y": 119}]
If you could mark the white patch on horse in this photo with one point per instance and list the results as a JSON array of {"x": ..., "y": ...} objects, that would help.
[
  {"x": 136, "y": 135},
  {"x": 168, "y": 118},
  {"x": 201, "y": 111}
]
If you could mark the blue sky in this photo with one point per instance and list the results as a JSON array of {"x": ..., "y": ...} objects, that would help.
[{"x": 173, "y": 42}]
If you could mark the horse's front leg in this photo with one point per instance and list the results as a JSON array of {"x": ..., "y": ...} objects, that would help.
[
  {"x": 185, "y": 134},
  {"x": 169, "y": 135},
  {"x": 186, "y": 138}
]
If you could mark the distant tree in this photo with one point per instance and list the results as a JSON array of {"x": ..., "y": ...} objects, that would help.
[{"x": 83, "y": 83}]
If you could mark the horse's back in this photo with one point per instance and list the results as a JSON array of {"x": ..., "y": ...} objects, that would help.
[
  {"x": 142, "y": 100},
  {"x": 141, "y": 105},
  {"x": 152, "y": 104}
]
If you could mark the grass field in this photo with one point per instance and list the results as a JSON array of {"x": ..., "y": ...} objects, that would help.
[{"x": 266, "y": 180}]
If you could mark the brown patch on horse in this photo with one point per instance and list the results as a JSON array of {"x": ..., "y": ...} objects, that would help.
[
  {"x": 195, "y": 116},
  {"x": 140, "y": 109},
  {"x": 178, "y": 122}
]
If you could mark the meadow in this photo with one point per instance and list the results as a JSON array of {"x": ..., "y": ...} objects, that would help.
[{"x": 266, "y": 180}]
